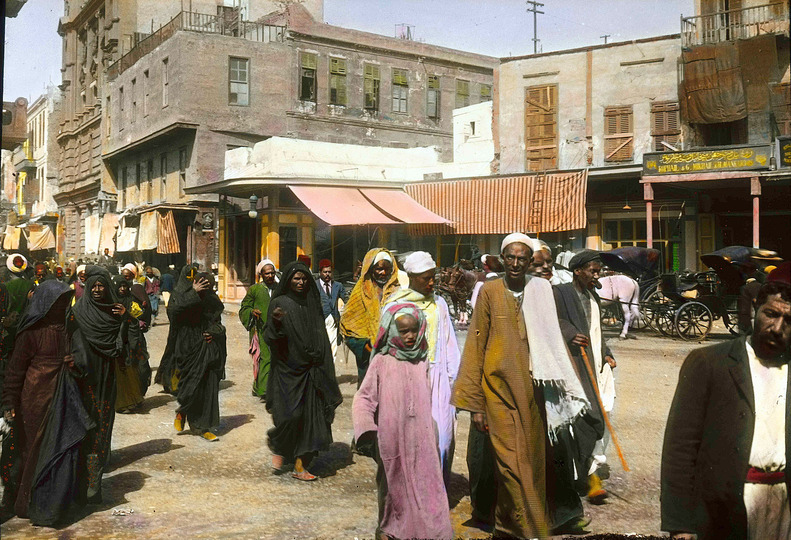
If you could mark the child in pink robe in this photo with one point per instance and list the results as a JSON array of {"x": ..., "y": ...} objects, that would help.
[{"x": 393, "y": 406}]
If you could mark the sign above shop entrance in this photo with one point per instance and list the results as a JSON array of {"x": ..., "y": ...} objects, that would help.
[{"x": 702, "y": 161}]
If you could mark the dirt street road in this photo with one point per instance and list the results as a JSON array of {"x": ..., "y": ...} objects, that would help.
[{"x": 170, "y": 484}]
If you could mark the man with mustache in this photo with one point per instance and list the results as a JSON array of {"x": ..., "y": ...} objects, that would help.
[
  {"x": 579, "y": 314},
  {"x": 724, "y": 460}
]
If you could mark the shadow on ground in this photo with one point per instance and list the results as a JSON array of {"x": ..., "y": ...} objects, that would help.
[
  {"x": 154, "y": 402},
  {"x": 348, "y": 378},
  {"x": 122, "y": 457},
  {"x": 339, "y": 456},
  {"x": 228, "y": 423}
]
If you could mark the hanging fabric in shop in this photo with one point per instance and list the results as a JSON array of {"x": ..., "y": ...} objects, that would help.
[
  {"x": 147, "y": 237},
  {"x": 40, "y": 238},
  {"x": 92, "y": 233},
  {"x": 167, "y": 234},
  {"x": 712, "y": 84},
  {"x": 127, "y": 237},
  {"x": 12, "y": 236},
  {"x": 107, "y": 235}
]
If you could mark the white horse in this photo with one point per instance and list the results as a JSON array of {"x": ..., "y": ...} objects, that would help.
[{"x": 625, "y": 291}]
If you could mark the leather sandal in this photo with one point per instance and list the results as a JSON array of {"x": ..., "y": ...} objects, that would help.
[{"x": 305, "y": 476}]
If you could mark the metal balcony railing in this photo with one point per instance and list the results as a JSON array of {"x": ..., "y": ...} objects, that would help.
[
  {"x": 197, "y": 22},
  {"x": 734, "y": 24}
]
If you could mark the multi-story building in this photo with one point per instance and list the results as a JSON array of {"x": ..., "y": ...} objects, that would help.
[{"x": 205, "y": 83}]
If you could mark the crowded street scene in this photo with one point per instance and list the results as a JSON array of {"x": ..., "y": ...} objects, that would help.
[{"x": 269, "y": 269}]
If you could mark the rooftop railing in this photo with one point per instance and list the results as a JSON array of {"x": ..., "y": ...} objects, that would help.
[
  {"x": 197, "y": 22},
  {"x": 734, "y": 24}
]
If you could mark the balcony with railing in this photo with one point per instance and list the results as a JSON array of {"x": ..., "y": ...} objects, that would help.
[
  {"x": 189, "y": 21},
  {"x": 734, "y": 24}
]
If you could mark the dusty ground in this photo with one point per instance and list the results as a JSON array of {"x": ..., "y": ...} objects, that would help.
[{"x": 168, "y": 483}]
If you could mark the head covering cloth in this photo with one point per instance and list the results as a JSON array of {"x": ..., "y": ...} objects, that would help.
[
  {"x": 95, "y": 318},
  {"x": 260, "y": 266},
  {"x": 781, "y": 273},
  {"x": 419, "y": 262},
  {"x": 514, "y": 238},
  {"x": 390, "y": 342},
  {"x": 131, "y": 267},
  {"x": 582, "y": 258},
  {"x": 44, "y": 297},
  {"x": 16, "y": 262},
  {"x": 360, "y": 317}
]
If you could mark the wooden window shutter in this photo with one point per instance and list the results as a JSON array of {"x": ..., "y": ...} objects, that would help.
[
  {"x": 433, "y": 82},
  {"x": 400, "y": 77},
  {"x": 308, "y": 61},
  {"x": 337, "y": 66},
  {"x": 541, "y": 133},
  {"x": 665, "y": 126},
  {"x": 618, "y": 134},
  {"x": 372, "y": 72}
]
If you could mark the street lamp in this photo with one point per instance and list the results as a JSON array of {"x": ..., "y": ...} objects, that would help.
[{"x": 253, "y": 213}]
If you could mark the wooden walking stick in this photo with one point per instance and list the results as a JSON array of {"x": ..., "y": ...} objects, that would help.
[{"x": 603, "y": 412}]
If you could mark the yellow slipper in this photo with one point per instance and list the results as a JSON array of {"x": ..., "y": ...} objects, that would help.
[
  {"x": 178, "y": 423},
  {"x": 211, "y": 437}
]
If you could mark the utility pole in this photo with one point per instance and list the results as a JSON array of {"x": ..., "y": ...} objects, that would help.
[
  {"x": 534, "y": 10},
  {"x": 604, "y": 37}
]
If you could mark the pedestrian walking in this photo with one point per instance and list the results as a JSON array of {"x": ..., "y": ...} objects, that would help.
[
  {"x": 443, "y": 349},
  {"x": 167, "y": 283},
  {"x": 199, "y": 351},
  {"x": 130, "y": 271},
  {"x": 151, "y": 286},
  {"x": 252, "y": 313},
  {"x": 302, "y": 392},
  {"x": 392, "y": 409},
  {"x": 728, "y": 438},
  {"x": 360, "y": 318},
  {"x": 43, "y": 403},
  {"x": 579, "y": 312},
  {"x": 331, "y": 293},
  {"x": 132, "y": 371}
]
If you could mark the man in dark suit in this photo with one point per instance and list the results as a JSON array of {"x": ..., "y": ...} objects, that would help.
[
  {"x": 331, "y": 291},
  {"x": 579, "y": 311},
  {"x": 728, "y": 434}
]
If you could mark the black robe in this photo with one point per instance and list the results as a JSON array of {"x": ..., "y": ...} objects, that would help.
[
  {"x": 51, "y": 421},
  {"x": 133, "y": 371},
  {"x": 200, "y": 364},
  {"x": 302, "y": 392}
]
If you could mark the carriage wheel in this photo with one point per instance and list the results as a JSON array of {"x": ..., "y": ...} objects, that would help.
[
  {"x": 663, "y": 320},
  {"x": 651, "y": 307},
  {"x": 612, "y": 316},
  {"x": 694, "y": 321}
]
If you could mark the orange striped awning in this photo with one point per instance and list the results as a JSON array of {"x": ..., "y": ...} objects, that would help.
[
  {"x": 167, "y": 236},
  {"x": 538, "y": 203}
]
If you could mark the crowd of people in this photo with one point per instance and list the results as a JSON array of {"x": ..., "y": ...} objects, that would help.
[{"x": 535, "y": 375}]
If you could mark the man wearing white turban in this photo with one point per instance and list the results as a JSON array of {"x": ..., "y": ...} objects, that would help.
[
  {"x": 252, "y": 314},
  {"x": 443, "y": 349}
]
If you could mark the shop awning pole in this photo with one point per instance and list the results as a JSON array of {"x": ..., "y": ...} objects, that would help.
[
  {"x": 755, "y": 191},
  {"x": 648, "y": 196}
]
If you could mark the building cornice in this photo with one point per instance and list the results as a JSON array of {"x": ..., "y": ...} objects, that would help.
[{"x": 370, "y": 124}]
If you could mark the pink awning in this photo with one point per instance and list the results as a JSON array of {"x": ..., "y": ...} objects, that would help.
[
  {"x": 401, "y": 206},
  {"x": 340, "y": 205}
]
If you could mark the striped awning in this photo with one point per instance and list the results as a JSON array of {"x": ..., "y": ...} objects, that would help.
[
  {"x": 167, "y": 235},
  {"x": 537, "y": 203}
]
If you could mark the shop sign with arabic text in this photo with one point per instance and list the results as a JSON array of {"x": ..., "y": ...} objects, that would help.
[{"x": 703, "y": 161}]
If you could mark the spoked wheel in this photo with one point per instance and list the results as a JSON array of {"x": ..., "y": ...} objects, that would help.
[
  {"x": 694, "y": 321},
  {"x": 664, "y": 320},
  {"x": 612, "y": 316},
  {"x": 651, "y": 307}
]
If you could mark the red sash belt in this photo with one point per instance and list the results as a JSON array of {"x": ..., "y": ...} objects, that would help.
[{"x": 757, "y": 476}]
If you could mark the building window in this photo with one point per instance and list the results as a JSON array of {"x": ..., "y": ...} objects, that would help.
[
  {"x": 124, "y": 184},
  {"x": 400, "y": 90},
  {"x": 541, "y": 123},
  {"x": 146, "y": 92},
  {"x": 432, "y": 97},
  {"x": 618, "y": 136},
  {"x": 182, "y": 170},
  {"x": 665, "y": 127},
  {"x": 239, "y": 82},
  {"x": 337, "y": 81},
  {"x": 462, "y": 93},
  {"x": 138, "y": 181},
  {"x": 121, "y": 109},
  {"x": 165, "y": 76},
  {"x": 150, "y": 179},
  {"x": 134, "y": 101},
  {"x": 371, "y": 82},
  {"x": 163, "y": 174},
  {"x": 307, "y": 77},
  {"x": 486, "y": 93}
]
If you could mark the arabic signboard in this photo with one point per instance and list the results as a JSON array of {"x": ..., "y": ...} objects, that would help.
[
  {"x": 784, "y": 151},
  {"x": 742, "y": 158}
]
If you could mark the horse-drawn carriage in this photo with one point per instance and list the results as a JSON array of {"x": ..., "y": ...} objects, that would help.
[{"x": 687, "y": 305}]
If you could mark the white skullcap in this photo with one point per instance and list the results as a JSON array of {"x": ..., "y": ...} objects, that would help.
[
  {"x": 383, "y": 256},
  {"x": 538, "y": 245},
  {"x": 80, "y": 268},
  {"x": 260, "y": 267},
  {"x": 18, "y": 257},
  {"x": 483, "y": 258},
  {"x": 513, "y": 238},
  {"x": 131, "y": 267},
  {"x": 419, "y": 262}
]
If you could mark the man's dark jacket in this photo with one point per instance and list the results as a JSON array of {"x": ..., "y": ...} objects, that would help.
[
  {"x": 707, "y": 445},
  {"x": 329, "y": 304}
]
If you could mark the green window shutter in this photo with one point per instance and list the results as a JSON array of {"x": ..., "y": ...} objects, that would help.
[
  {"x": 433, "y": 82},
  {"x": 400, "y": 77},
  {"x": 338, "y": 66},
  {"x": 308, "y": 61}
]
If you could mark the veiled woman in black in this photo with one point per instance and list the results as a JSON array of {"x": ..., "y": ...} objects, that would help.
[
  {"x": 132, "y": 370},
  {"x": 97, "y": 324},
  {"x": 302, "y": 392},
  {"x": 198, "y": 351},
  {"x": 43, "y": 403}
]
